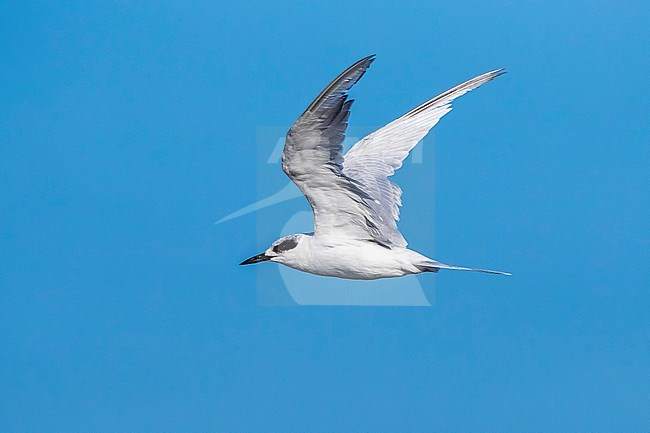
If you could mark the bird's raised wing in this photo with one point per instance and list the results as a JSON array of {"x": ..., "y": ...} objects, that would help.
[
  {"x": 313, "y": 160},
  {"x": 376, "y": 157}
]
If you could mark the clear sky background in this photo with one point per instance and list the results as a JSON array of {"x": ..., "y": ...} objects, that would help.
[{"x": 128, "y": 128}]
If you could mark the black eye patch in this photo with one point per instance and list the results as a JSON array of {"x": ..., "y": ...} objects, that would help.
[{"x": 285, "y": 245}]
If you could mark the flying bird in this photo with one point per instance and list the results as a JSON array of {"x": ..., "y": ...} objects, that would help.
[{"x": 355, "y": 205}]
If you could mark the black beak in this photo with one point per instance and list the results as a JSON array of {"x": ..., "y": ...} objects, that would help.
[{"x": 256, "y": 259}]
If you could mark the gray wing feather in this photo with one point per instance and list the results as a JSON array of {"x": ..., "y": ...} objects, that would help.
[
  {"x": 313, "y": 160},
  {"x": 351, "y": 196},
  {"x": 376, "y": 157}
]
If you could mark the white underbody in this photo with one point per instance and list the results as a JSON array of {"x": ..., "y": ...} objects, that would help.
[{"x": 352, "y": 259}]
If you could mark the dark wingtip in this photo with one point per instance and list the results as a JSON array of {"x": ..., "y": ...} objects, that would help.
[
  {"x": 340, "y": 85},
  {"x": 368, "y": 59},
  {"x": 366, "y": 62}
]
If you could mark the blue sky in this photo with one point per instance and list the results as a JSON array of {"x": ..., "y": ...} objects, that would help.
[{"x": 128, "y": 128}]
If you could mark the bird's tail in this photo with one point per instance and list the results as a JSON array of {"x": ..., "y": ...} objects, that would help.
[{"x": 434, "y": 266}]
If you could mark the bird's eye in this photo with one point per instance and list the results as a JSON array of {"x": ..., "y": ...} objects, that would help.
[{"x": 285, "y": 245}]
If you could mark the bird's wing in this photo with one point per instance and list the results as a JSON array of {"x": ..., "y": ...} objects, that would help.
[
  {"x": 313, "y": 160},
  {"x": 376, "y": 157}
]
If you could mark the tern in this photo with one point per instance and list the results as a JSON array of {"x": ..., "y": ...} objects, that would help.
[{"x": 355, "y": 205}]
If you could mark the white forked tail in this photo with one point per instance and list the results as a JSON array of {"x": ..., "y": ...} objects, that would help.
[{"x": 434, "y": 266}]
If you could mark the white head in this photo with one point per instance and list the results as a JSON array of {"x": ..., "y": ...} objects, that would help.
[{"x": 281, "y": 251}]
